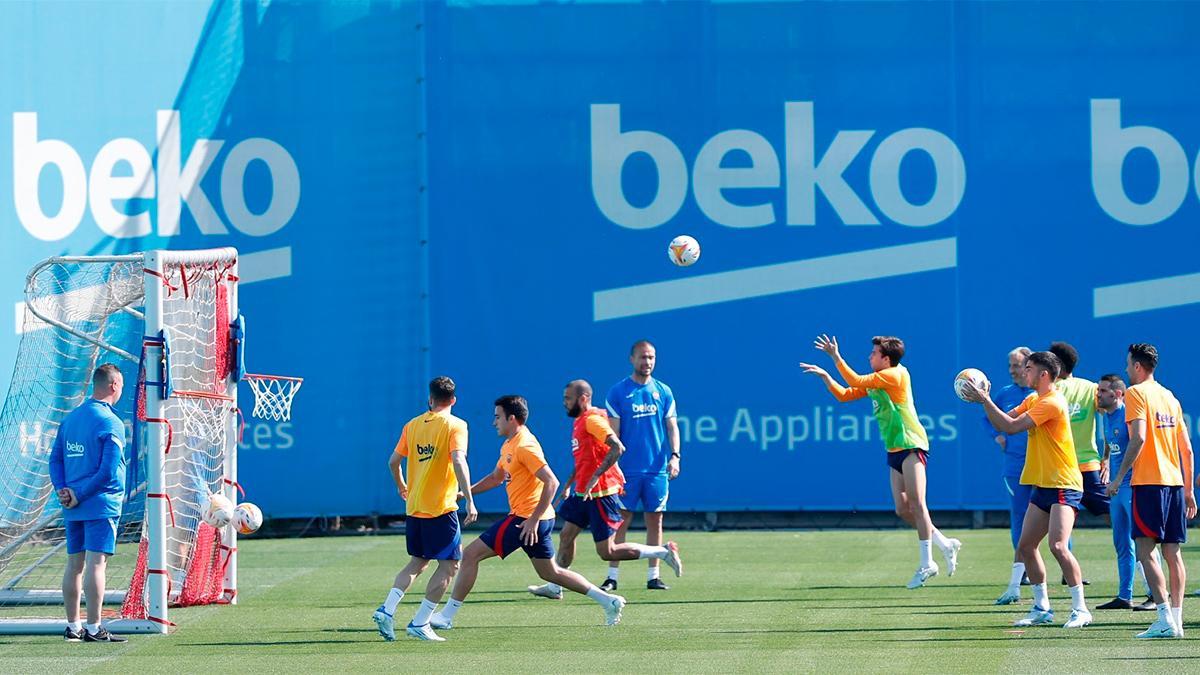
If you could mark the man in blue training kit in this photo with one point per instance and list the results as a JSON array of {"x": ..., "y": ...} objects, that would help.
[
  {"x": 1110, "y": 402},
  {"x": 641, "y": 411},
  {"x": 87, "y": 469},
  {"x": 1013, "y": 447}
]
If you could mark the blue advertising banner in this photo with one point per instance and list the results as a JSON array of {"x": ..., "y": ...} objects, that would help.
[{"x": 487, "y": 190}]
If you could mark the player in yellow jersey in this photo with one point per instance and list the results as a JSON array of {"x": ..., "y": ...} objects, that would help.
[
  {"x": 530, "y": 522},
  {"x": 889, "y": 387},
  {"x": 435, "y": 444},
  {"x": 1053, "y": 470},
  {"x": 1160, "y": 456}
]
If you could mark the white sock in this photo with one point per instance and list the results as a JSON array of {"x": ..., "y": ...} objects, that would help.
[
  {"x": 599, "y": 596},
  {"x": 613, "y": 572},
  {"x": 1178, "y": 612},
  {"x": 940, "y": 539},
  {"x": 657, "y": 552},
  {"x": 1077, "y": 602},
  {"x": 1165, "y": 614},
  {"x": 394, "y": 597},
  {"x": 75, "y": 625},
  {"x": 554, "y": 588},
  {"x": 92, "y": 628},
  {"x": 1018, "y": 573},
  {"x": 652, "y": 573},
  {"x": 424, "y": 612},
  {"x": 1041, "y": 599},
  {"x": 926, "y": 553},
  {"x": 451, "y": 608}
]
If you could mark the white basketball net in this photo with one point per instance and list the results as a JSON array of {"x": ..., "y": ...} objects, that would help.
[{"x": 273, "y": 396}]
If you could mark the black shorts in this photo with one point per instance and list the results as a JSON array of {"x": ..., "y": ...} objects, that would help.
[{"x": 896, "y": 459}]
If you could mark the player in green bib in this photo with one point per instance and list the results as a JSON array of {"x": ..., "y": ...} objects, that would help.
[
  {"x": 889, "y": 387},
  {"x": 1081, "y": 407}
]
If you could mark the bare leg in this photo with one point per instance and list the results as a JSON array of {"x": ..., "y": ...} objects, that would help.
[
  {"x": 654, "y": 531},
  {"x": 899, "y": 498},
  {"x": 475, "y": 553},
  {"x": 1154, "y": 574},
  {"x": 410, "y": 573},
  {"x": 550, "y": 571},
  {"x": 566, "y": 544},
  {"x": 1062, "y": 521},
  {"x": 73, "y": 585},
  {"x": 914, "y": 490},
  {"x": 94, "y": 568},
  {"x": 610, "y": 550},
  {"x": 440, "y": 581},
  {"x": 1174, "y": 560},
  {"x": 1033, "y": 530},
  {"x": 622, "y": 530}
]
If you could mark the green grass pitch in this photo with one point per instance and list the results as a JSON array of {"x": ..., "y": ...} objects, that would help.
[{"x": 749, "y": 602}]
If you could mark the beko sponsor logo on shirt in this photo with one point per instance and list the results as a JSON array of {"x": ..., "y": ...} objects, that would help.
[
  {"x": 645, "y": 409},
  {"x": 425, "y": 452},
  {"x": 74, "y": 449}
]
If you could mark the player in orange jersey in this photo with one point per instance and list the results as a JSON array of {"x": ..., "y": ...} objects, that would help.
[
  {"x": 531, "y": 488},
  {"x": 1052, "y": 468},
  {"x": 593, "y": 501},
  {"x": 1160, "y": 455},
  {"x": 435, "y": 444}
]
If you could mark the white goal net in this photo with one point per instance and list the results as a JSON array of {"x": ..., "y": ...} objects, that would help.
[{"x": 163, "y": 317}]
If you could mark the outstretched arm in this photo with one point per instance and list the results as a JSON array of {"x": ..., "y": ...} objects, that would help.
[
  {"x": 488, "y": 482},
  {"x": 1001, "y": 420},
  {"x": 839, "y": 392}
]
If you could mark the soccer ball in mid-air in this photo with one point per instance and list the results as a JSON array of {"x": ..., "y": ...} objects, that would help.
[
  {"x": 684, "y": 250},
  {"x": 974, "y": 376},
  {"x": 247, "y": 518},
  {"x": 219, "y": 510}
]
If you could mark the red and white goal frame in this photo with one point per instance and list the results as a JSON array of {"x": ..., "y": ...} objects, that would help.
[{"x": 188, "y": 373}]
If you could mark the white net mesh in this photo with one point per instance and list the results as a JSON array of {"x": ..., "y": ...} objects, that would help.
[
  {"x": 195, "y": 314},
  {"x": 79, "y": 315},
  {"x": 273, "y": 396},
  {"x": 51, "y": 377},
  {"x": 194, "y": 469}
]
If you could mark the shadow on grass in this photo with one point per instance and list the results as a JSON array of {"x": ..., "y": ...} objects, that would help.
[
  {"x": 894, "y": 587},
  {"x": 276, "y": 643},
  {"x": 1148, "y": 658}
]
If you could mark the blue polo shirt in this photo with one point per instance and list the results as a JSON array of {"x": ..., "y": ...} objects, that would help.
[
  {"x": 89, "y": 457},
  {"x": 1006, "y": 399},
  {"x": 1114, "y": 434},
  {"x": 643, "y": 410}
]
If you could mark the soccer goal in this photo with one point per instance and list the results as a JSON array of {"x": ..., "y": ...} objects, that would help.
[{"x": 169, "y": 320}]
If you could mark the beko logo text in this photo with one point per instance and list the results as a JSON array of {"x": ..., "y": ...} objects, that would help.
[
  {"x": 1112, "y": 143},
  {"x": 803, "y": 173},
  {"x": 172, "y": 181}
]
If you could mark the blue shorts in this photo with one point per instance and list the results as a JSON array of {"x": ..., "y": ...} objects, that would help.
[
  {"x": 1044, "y": 498},
  {"x": 647, "y": 490},
  {"x": 1095, "y": 499},
  {"x": 1158, "y": 513},
  {"x": 97, "y": 536},
  {"x": 602, "y": 515},
  {"x": 896, "y": 459},
  {"x": 504, "y": 537},
  {"x": 434, "y": 538}
]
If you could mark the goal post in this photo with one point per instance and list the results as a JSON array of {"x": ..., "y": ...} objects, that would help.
[{"x": 165, "y": 318}]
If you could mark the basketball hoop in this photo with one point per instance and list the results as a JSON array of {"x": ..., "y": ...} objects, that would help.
[{"x": 273, "y": 395}]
